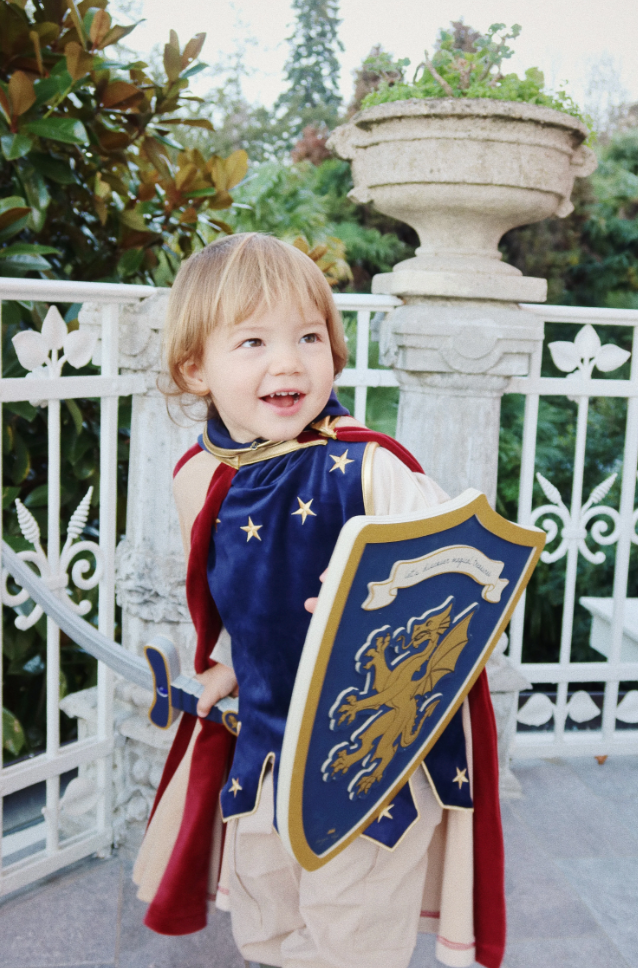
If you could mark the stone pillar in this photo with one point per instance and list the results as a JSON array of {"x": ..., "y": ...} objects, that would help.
[
  {"x": 453, "y": 359},
  {"x": 150, "y": 564}
]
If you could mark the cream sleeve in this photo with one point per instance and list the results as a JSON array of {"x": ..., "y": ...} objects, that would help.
[{"x": 397, "y": 490}]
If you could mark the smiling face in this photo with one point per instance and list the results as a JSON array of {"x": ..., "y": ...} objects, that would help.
[{"x": 270, "y": 375}]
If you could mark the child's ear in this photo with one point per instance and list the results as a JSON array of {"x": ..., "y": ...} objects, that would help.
[{"x": 193, "y": 374}]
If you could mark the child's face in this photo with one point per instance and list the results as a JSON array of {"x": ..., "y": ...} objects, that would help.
[{"x": 270, "y": 375}]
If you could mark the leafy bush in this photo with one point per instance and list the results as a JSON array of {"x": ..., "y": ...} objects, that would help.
[
  {"x": 93, "y": 183},
  {"x": 465, "y": 64}
]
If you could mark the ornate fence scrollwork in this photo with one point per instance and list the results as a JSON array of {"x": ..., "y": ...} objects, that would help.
[
  {"x": 56, "y": 578},
  {"x": 576, "y": 530}
]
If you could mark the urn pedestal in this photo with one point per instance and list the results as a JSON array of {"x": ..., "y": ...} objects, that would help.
[{"x": 463, "y": 172}]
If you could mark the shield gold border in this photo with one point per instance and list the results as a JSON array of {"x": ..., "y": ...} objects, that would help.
[{"x": 355, "y": 535}]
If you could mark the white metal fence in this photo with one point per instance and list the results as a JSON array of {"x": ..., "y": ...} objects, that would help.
[{"x": 546, "y": 717}]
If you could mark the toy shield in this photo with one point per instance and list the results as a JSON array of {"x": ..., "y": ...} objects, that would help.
[{"x": 410, "y": 611}]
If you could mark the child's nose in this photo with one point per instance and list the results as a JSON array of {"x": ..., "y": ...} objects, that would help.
[{"x": 286, "y": 360}]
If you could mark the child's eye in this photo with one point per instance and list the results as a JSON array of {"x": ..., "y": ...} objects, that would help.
[
  {"x": 310, "y": 338},
  {"x": 253, "y": 341}
]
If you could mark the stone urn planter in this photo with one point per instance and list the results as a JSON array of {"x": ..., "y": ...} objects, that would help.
[{"x": 463, "y": 172}]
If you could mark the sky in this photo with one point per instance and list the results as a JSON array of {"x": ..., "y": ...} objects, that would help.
[{"x": 565, "y": 38}]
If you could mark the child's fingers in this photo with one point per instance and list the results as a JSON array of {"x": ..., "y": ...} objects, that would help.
[
  {"x": 310, "y": 604},
  {"x": 207, "y": 700}
]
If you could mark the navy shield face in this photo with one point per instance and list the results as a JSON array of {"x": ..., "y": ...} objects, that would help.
[{"x": 410, "y": 611}]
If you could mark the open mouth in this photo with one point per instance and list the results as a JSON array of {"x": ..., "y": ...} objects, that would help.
[{"x": 284, "y": 400}]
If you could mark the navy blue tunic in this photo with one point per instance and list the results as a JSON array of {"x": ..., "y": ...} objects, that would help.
[{"x": 276, "y": 531}]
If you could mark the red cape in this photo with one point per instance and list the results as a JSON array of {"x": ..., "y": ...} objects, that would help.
[{"x": 180, "y": 904}]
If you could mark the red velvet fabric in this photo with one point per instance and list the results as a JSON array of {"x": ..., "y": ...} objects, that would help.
[
  {"x": 179, "y": 906},
  {"x": 200, "y": 601},
  {"x": 356, "y": 434},
  {"x": 489, "y": 852}
]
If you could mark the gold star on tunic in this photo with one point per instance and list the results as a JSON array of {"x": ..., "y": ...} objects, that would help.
[
  {"x": 235, "y": 786},
  {"x": 304, "y": 509},
  {"x": 217, "y": 521},
  {"x": 340, "y": 462},
  {"x": 386, "y": 812},
  {"x": 460, "y": 778},
  {"x": 252, "y": 530}
]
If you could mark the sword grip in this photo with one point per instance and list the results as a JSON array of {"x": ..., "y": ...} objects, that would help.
[{"x": 175, "y": 693}]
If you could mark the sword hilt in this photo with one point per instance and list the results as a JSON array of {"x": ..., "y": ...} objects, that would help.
[{"x": 175, "y": 692}]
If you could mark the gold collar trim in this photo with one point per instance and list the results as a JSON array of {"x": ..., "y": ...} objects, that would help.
[{"x": 267, "y": 449}]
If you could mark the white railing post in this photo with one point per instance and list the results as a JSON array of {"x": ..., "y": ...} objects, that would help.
[
  {"x": 108, "y": 512},
  {"x": 623, "y": 549},
  {"x": 361, "y": 364}
]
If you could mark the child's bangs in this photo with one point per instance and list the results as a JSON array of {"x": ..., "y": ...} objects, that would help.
[{"x": 268, "y": 273}]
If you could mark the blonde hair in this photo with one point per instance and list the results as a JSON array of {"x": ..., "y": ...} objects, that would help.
[{"x": 228, "y": 281}]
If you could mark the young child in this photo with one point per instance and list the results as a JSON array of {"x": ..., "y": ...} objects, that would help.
[{"x": 254, "y": 331}]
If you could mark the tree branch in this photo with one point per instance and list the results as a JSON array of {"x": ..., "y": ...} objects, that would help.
[{"x": 437, "y": 77}]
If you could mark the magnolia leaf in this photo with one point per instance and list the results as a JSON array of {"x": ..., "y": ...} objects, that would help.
[
  {"x": 119, "y": 92},
  {"x": 54, "y": 329},
  {"x": 12, "y": 210},
  {"x": 551, "y": 492},
  {"x": 15, "y": 146},
  {"x": 79, "y": 347},
  {"x": 188, "y": 216},
  {"x": 78, "y": 61},
  {"x": 67, "y": 130},
  {"x": 45, "y": 90},
  {"x": 564, "y": 355},
  {"x": 587, "y": 342},
  {"x": 173, "y": 40},
  {"x": 301, "y": 244},
  {"x": 13, "y": 738},
  {"x": 21, "y": 93},
  {"x": 156, "y": 154},
  {"x": 4, "y": 104},
  {"x": 221, "y": 200},
  {"x": 193, "y": 49},
  {"x": 100, "y": 26},
  {"x": 191, "y": 122},
  {"x": 195, "y": 69},
  {"x": 185, "y": 176},
  {"x": 134, "y": 220},
  {"x": 31, "y": 349},
  {"x": 27, "y": 248},
  {"x": 235, "y": 167},
  {"x": 202, "y": 192},
  {"x": 172, "y": 62},
  {"x": 25, "y": 262},
  {"x": 34, "y": 37},
  {"x": 116, "y": 34},
  {"x": 610, "y": 357},
  {"x": 217, "y": 223}
]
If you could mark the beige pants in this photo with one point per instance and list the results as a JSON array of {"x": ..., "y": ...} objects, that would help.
[{"x": 361, "y": 910}]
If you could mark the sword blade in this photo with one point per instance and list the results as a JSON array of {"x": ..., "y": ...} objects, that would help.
[
  {"x": 184, "y": 691},
  {"x": 130, "y": 666}
]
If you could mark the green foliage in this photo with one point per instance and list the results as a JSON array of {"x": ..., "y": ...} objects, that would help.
[
  {"x": 591, "y": 257},
  {"x": 465, "y": 64},
  {"x": 309, "y": 201},
  {"x": 91, "y": 169},
  {"x": 312, "y": 69}
]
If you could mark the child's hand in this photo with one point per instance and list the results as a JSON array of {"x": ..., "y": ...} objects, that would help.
[
  {"x": 218, "y": 682},
  {"x": 310, "y": 604}
]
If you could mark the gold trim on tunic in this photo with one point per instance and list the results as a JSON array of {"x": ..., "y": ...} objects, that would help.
[{"x": 240, "y": 456}]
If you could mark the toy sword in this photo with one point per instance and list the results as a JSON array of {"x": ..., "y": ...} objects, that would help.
[{"x": 173, "y": 692}]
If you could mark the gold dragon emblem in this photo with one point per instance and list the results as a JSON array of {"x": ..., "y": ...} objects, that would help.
[{"x": 409, "y": 699}]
